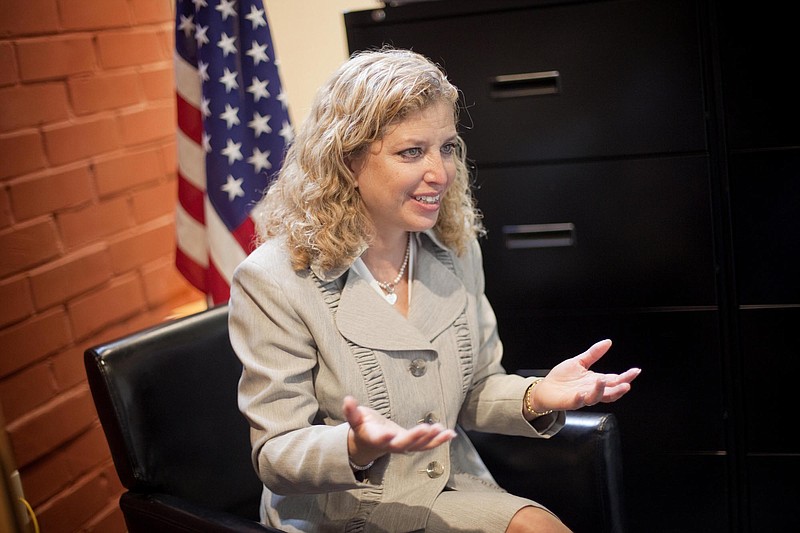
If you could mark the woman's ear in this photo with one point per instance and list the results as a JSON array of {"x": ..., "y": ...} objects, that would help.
[{"x": 354, "y": 163}]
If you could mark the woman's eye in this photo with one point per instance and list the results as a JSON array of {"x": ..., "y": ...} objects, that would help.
[
  {"x": 412, "y": 152},
  {"x": 449, "y": 148}
]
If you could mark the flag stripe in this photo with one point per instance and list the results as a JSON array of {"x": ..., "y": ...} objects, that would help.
[
  {"x": 192, "y": 199},
  {"x": 190, "y": 120},
  {"x": 188, "y": 83},
  {"x": 191, "y": 161}
]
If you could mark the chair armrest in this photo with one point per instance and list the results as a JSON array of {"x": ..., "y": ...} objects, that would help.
[
  {"x": 577, "y": 473},
  {"x": 146, "y": 513}
]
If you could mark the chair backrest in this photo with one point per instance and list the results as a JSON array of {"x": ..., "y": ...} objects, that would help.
[{"x": 167, "y": 400}]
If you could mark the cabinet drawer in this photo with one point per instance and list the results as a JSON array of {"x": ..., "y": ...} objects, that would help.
[
  {"x": 765, "y": 203},
  {"x": 627, "y": 233},
  {"x": 563, "y": 81}
]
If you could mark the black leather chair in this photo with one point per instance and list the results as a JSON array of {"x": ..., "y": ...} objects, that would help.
[{"x": 166, "y": 398}]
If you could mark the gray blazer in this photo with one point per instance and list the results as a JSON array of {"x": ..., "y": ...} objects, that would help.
[{"x": 307, "y": 339}]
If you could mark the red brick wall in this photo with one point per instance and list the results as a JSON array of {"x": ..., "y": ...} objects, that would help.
[{"x": 87, "y": 191}]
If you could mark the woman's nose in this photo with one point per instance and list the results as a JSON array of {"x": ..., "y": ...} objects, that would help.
[{"x": 437, "y": 169}]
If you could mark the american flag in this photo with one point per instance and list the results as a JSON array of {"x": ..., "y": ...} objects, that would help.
[{"x": 233, "y": 128}]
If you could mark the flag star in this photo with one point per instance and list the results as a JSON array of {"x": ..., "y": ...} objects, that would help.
[
  {"x": 205, "y": 107},
  {"x": 229, "y": 80},
  {"x": 202, "y": 69},
  {"x": 206, "y": 142},
  {"x": 199, "y": 3},
  {"x": 260, "y": 124},
  {"x": 230, "y": 116},
  {"x": 227, "y": 44},
  {"x": 258, "y": 52},
  {"x": 186, "y": 25},
  {"x": 233, "y": 187},
  {"x": 259, "y": 160},
  {"x": 256, "y": 16},
  {"x": 282, "y": 98},
  {"x": 286, "y": 132},
  {"x": 200, "y": 35},
  {"x": 232, "y": 151},
  {"x": 258, "y": 89},
  {"x": 226, "y": 8}
]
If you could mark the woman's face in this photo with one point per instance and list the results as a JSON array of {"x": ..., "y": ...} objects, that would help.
[{"x": 402, "y": 177}]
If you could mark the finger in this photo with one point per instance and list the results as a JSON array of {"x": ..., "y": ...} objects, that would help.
[
  {"x": 351, "y": 412},
  {"x": 626, "y": 377},
  {"x": 435, "y": 436},
  {"x": 613, "y": 394},
  {"x": 630, "y": 375},
  {"x": 595, "y": 352},
  {"x": 411, "y": 439}
]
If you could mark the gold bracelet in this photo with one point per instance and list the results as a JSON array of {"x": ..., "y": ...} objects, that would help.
[{"x": 529, "y": 400}]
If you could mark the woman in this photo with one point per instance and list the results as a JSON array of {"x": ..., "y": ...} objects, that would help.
[{"x": 366, "y": 340}]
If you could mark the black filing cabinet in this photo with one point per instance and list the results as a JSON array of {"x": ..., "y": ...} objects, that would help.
[{"x": 616, "y": 209}]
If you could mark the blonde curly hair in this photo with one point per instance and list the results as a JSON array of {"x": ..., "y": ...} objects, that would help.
[{"x": 314, "y": 201}]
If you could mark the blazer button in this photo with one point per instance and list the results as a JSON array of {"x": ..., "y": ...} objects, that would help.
[
  {"x": 418, "y": 367},
  {"x": 434, "y": 469},
  {"x": 430, "y": 418}
]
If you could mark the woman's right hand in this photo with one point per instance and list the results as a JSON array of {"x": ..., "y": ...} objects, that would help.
[{"x": 372, "y": 435}]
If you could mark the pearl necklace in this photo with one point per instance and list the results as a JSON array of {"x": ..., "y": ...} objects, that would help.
[{"x": 388, "y": 286}]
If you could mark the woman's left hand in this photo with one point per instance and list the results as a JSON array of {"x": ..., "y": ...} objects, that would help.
[{"x": 571, "y": 385}]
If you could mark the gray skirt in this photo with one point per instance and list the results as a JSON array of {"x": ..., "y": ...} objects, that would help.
[{"x": 474, "y": 512}]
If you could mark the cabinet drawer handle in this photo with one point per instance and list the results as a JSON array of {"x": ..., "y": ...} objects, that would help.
[
  {"x": 539, "y": 235},
  {"x": 527, "y": 84}
]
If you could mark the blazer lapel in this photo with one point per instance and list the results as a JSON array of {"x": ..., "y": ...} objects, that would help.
[
  {"x": 364, "y": 318},
  {"x": 437, "y": 298}
]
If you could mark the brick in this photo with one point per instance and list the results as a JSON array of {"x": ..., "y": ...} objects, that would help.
[
  {"x": 60, "y": 420},
  {"x": 80, "y": 139},
  {"x": 117, "y": 301},
  {"x": 162, "y": 282},
  {"x": 68, "y": 369},
  {"x": 32, "y": 340},
  {"x": 119, "y": 172},
  {"x": 155, "y": 202},
  {"x": 108, "y": 520},
  {"x": 158, "y": 83},
  {"x": 114, "y": 484},
  {"x": 26, "y": 246},
  {"x": 32, "y": 105},
  {"x": 104, "y": 91},
  {"x": 169, "y": 155},
  {"x": 167, "y": 36},
  {"x": 151, "y": 11},
  {"x": 45, "y": 478},
  {"x": 78, "y": 504},
  {"x": 93, "y": 222},
  {"x": 151, "y": 123},
  {"x": 5, "y": 209},
  {"x": 69, "y": 276},
  {"x": 37, "y": 16},
  {"x": 127, "y": 48},
  {"x": 55, "y": 56},
  {"x": 8, "y": 64},
  {"x": 149, "y": 243},
  {"x": 93, "y": 14},
  {"x": 87, "y": 451},
  {"x": 22, "y": 151},
  {"x": 50, "y": 191},
  {"x": 15, "y": 293},
  {"x": 27, "y": 389}
]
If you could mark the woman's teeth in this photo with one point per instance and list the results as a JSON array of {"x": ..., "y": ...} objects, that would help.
[{"x": 427, "y": 199}]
